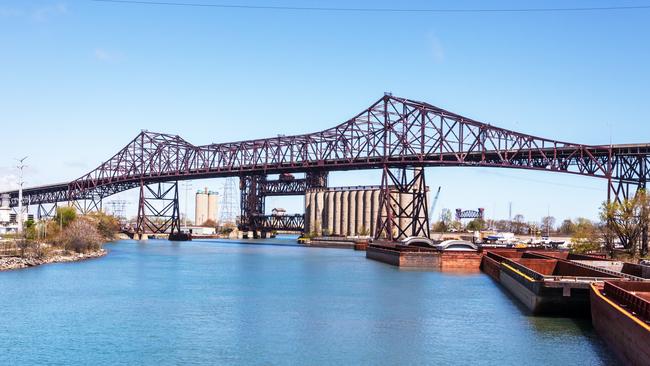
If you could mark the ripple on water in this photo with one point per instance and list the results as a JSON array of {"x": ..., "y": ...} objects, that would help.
[{"x": 220, "y": 302}]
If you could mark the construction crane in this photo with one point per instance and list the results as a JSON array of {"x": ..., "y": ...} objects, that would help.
[{"x": 433, "y": 205}]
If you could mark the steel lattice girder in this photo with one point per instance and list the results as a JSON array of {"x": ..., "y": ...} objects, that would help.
[
  {"x": 469, "y": 214},
  {"x": 252, "y": 201},
  {"x": 284, "y": 188},
  {"x": 392, "y": 131},
  {"x": 266, "y": 223},
  {"x": 158, "y": 210},
  {"x": 43, "y": 212},
  {"x": 392, "y": 209}
]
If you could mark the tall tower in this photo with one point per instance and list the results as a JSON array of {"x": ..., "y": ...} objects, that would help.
[{"x": 230, "y": 198}]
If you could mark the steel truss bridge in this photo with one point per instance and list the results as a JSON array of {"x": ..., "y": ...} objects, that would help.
[{"x": 393, "y": 133}]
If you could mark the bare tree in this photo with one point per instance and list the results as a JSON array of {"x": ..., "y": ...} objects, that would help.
[
  {"x": 518, "y": 224},
  {"x": 548, "y": 224}
]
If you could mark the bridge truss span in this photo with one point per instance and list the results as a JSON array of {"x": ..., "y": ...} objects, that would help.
[{"x": 392, "y": 133}]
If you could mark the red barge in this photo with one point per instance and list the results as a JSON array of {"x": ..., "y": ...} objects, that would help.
[{"x": 620, "y": 312}]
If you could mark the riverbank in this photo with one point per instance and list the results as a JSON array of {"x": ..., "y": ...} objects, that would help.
[{"x": 60, "y": 256}]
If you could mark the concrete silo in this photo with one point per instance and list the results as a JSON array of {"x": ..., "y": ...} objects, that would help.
[
  {"x": 201, "y": 207},
  {"x": 213, "y": 206}
]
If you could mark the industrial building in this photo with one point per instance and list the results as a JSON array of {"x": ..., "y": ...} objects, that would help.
[
  {"x": 5, "y": 210},
  {"x": 206, "y": 206},
  {"x": 8, "y": 219},
  {"x": 348, "y": 211}
]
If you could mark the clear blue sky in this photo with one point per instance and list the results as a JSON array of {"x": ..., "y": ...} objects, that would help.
[{"x": 79, "y": 79}]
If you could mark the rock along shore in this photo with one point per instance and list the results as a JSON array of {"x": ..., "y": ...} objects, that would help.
[{"x": 9, "y": 263}]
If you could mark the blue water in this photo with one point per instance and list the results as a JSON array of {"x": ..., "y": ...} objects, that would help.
[{"x": 221, "y": 302}]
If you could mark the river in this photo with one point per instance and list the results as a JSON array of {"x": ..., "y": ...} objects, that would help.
[{"x": 274, "y": 303}]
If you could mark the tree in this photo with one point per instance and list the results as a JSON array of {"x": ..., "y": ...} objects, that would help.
[
  {"x": 209, "y": 223},
  {"x": 107, "y": 225},
  {"x": 608, "y": 236},
  {"x": 446, "y": 217},
  {"x": 567, "y": 227},
  {"x": 548, "y": 223},
  {"x": 585, "y": 238},
  {"x": 439, "y": 227},
  {"x": 627, "y": 219},
  {"x": 65, "y": 215},
  {"x": 457, "y": 225},
  {"x": 476, "y": 225},
  {"x": 518, "y": 224},
  {"x": 501, "y": 225},
  {"x": 445, "y": 222},
  {"x": 30, "y": 229}
]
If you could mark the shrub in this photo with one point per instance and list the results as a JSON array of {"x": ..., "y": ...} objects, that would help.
[
  {"x": 209, "y": 223},
  {"x": 81, "y": 236},
  {"x": 107, "y": 226},
  {"x": 65, "y": 215}
]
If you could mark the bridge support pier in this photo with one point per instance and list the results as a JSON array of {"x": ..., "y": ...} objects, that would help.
[
  {"x": 252, "y": 202},
  {"x": 403, "y": 205},
  {"x": 254, "y": 190},
  {"x": 158, "y": 210}
]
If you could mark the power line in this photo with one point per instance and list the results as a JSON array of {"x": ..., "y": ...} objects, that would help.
[{"x": 379, "y": 10}]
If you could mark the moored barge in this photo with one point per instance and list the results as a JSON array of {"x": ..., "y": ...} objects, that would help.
[
  {"x": 465, "y": 257},
  {"x": 620, "y": 312},
  {"x": 545, "y": 285}
]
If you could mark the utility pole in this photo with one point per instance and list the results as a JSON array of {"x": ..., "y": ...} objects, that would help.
[
  {"x": 510, "y": 211},
  {"x": 21, "y": 166},
  {"x": 510, "y": 215},
  {"x": 548, "y": 220}
]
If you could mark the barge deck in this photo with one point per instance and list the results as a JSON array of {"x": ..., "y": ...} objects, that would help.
[{"x": 545, "y": 285}]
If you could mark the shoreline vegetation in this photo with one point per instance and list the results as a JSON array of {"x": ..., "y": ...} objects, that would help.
[
  {"x": 67, "y": 237},
  {"x": 13, "y": 262}
]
